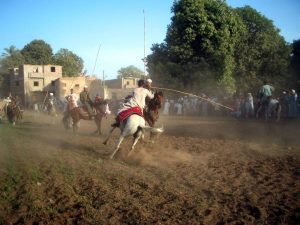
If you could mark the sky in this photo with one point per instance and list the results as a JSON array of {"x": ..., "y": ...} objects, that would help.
[{"x": 115, "y": 28}]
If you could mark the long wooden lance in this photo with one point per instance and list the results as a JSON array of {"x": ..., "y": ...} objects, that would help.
[{"x": 205, "y": 99}]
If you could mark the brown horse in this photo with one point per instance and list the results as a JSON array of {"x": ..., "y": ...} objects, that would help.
[
  {"x": 79, "y": 113},
  {"x": 13, "y": 112},
  {"x": 151, "y": 112}
]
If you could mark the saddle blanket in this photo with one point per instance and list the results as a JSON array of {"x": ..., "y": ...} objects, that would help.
[{"x": 128, "y": 112}]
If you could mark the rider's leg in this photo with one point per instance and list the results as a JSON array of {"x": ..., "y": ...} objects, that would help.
[{"x": 89, "y": 109}]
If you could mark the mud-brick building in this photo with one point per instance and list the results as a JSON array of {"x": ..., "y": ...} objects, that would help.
[
  {"x": 63, "y": 86},
  {"x": 32, "y": 82},
  {"x": 121, "y": 87}
]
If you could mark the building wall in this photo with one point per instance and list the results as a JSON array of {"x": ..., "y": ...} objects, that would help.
[
  {"x": 129, "y": 82},
  {"x": 124, "y": 82},
  {"x": 117, "y": 94},
  {"x": 115, "y": 83},
  {"x": 16, "y": 83},
  {"x": 29, "y": 81},
  {"x": 63, "y": 86}
]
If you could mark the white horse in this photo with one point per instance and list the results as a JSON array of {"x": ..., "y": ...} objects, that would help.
[
  {"x": 272, "y": 109},
  {"x": 134, "y": 125}
]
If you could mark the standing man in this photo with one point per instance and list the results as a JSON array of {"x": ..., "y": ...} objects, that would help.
[
  {"x": 51, "y": 104},
  {"x": 293, "y": 104},
  {"x": 86, "y": 101}
]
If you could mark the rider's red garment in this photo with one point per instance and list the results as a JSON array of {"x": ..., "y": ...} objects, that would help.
[{"x": 126, "y": 113}]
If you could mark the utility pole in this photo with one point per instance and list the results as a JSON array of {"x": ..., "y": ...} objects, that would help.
[
  {"x": 103, "y": 77},
  {"x": 96, "y": 59},
  {"x": 144, "y": 44}
]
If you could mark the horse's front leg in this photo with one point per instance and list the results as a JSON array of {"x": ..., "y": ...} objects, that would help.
[
  {"x": 108, "y": 136},
  {"x": 75, "y": 125},
  {"x": 98, "y": 124},
  {"x": 267, "y": 112},
  {"x": 258, "y": 111},
  {"x": 278, "y": 113}
]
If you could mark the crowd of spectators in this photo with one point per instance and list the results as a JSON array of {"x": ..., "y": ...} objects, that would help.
[{"x": 243, "y": 106}]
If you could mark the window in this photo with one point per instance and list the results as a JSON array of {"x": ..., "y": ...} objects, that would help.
[
  {"x": 127, "y": 83},
  {"x": 17, "y": 83},
  {"x": 52, "y": 68},
  {"x": 77, "y": 85},
  {"x": 36, "y": 83}
]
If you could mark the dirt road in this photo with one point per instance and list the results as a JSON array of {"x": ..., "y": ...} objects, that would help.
[{"x": 199, "y": 171}]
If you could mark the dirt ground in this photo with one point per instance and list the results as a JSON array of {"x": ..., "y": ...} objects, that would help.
[{"x": 199, "y": 171}]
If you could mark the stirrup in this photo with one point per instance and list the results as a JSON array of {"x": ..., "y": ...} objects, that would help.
[{"x": 116, "y": 124}]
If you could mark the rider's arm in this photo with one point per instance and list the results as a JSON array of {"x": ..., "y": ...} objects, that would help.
[{"x": 149, "y": 94}]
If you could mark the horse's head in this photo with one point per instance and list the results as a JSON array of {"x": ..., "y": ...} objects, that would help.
[
  {"x": 159, "y": 98},
  {"x": 101, "y": 106},
  {"x": 157, "y": 101}
]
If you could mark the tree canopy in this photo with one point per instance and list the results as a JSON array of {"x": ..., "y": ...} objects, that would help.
[
  {"x": 72, "y": 64},
  {"x": 210, "y": 45},
  {"x": 37, "y": 52},
  {"x": 130, "y": 71},
  {"x": 11, "y": 58}
]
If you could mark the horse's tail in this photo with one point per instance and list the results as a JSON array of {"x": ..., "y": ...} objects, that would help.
[{"x": 153, "y": 129}]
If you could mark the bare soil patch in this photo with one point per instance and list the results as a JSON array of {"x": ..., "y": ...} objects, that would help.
[{"x": 199, "y": 171}]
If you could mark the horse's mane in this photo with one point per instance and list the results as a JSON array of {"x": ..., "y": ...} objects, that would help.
[{"x": 101, "y": 102}]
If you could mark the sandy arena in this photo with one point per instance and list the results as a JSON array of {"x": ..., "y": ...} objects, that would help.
[{"x": 199, "y": 171}]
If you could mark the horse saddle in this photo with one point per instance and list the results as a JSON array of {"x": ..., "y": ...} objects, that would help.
[
  {"x": 128, "y": 112},
  {"x": 84, "y": 112}
]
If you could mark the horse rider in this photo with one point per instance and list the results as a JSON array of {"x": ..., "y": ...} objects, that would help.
[
  {"x": 265, "y": 93},
  {"x": 86, "y": 101},
  {"x": 72, "y": 99},
  {"x": 98, "y": 98},
  {"x": 138, "y": 99},
  {"x": 51, "y": 103},
  {"x": 148, "y": 84}
]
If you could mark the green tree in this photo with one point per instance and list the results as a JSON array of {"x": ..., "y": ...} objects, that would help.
[
  {"x": 130, "y": 71},
  {"x": 72, "y": 64},
  {"x": 201, "y": 32},
  {"x": 11, "y": 58},
  {"x": 295, "y": 60},
  {"x": 37, "y": 52},
  {"x": 262, "y": 53}
]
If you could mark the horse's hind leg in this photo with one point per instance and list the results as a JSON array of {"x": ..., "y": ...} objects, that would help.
[
  {"x": 258, "y": 111},
  {"x": 110, "y": 132},
  {"x": 278, "y": 113},
  {"x": 75, "y": 126},
  {"x": 121, "y": 138},
  {"x": 137, "y": 136}
]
